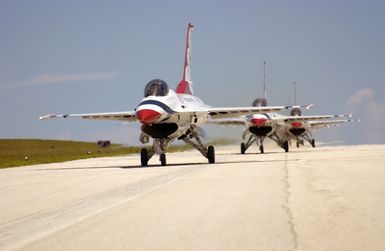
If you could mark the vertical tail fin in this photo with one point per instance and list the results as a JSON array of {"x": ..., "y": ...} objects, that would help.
[{"x": 185, "y": 85}]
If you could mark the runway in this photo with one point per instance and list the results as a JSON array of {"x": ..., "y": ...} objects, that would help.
[{"x": 324, "y": 198}]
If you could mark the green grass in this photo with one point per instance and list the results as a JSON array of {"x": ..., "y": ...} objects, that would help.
[{"x": 21, "y": 152}]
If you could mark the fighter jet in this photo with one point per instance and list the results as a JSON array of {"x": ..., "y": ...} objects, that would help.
[
  {"x": 280, "y": 128},
  {"x": 299, "y": 128},
  {"x": 166, "y": 115}
]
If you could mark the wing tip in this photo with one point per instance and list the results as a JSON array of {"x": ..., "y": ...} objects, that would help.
[
  {"x": 48, "y": 116},
  {"x": 307, "y": 107}
]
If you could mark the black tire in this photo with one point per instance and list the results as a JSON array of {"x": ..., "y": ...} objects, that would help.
[
  {"x": 243, "y": 148},
  {"x": 286, "y": 146},
  {"x": 297, "y": 144},
  {"x": 261, "y": 149},
  {"x": 162, "y": 159},
  {"x": 313, "y": 143},
  {"x": 211, "y": 154},
  {"x": 144, "y": 157}
]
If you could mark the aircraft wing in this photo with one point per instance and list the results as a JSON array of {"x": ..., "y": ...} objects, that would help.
[
  {"x": 228, "y": 112},
  {"x": 316, "y": 117},
  {"x": 227, "y": 121},
  {"x": 329, "y": 123},
  {"x": 121, "y": 116}
]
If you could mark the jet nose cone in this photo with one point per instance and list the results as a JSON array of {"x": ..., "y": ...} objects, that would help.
[
  {"x": 147, "y": 116},
  {"x": 258, "y": 121}
]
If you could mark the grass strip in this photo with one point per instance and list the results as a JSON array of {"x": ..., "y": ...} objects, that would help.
[{"x": 21, "y": 152}]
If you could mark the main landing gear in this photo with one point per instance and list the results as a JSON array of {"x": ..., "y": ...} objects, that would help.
[
  {"x": 211, "y": 154},
  {"x": 192, "y": 137},
  {"x": 309, "y": 138},
  {"x": 312, "y": 143}
]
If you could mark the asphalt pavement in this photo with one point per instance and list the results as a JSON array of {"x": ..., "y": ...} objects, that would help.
[{"x": 323, "y": 198}]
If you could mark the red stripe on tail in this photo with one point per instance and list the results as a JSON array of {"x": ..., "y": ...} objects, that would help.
[{"x": 185, "y": 85}]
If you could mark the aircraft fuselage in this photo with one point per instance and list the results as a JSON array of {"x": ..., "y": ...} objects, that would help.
[{"x": 173, "y": 115}]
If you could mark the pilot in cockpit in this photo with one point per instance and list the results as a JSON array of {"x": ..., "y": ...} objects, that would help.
[{"x": 156, "y": 87}]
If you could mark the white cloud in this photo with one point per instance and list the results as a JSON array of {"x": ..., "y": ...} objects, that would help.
[
  {"x": 45, "y": 79},
  {"x": 372, "y": 114},
  {"x": 359, "y": 97}
]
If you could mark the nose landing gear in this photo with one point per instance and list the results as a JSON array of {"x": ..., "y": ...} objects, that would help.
[{"x": 211, "y": 154}]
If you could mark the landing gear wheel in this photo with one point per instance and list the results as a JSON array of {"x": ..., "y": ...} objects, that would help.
[
  {"x": 297, "y": 144},
  {"x": 144, "y": 157},
  {"x": 261, "y": 149},
  {"x": 286, "y": 146},
  {"x": 162, "y": 159},
  {"x": 211, "y": 154},
  {"x": 243, "y": 148},
  {"x": 313, "y": 143}
]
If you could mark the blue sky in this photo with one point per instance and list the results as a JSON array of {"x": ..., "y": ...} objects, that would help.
[{"x": 96, "y": 56}]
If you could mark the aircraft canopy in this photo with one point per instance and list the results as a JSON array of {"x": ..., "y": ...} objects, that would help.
[{"x": 156, "y": 87}]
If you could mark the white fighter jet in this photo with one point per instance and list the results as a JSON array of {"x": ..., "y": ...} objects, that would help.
[
  {"x": 280, "y": 128},
  {"x": 299, "y": 128},
  {"x": 166, "y": 115}
]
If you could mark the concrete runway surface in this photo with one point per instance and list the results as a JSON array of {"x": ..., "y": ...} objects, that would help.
[{"x": 326, "y": 198}]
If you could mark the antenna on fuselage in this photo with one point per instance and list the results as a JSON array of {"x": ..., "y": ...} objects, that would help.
[
  {"x": 295, "y": 93},
  {"x": 264, "y": 81}
]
